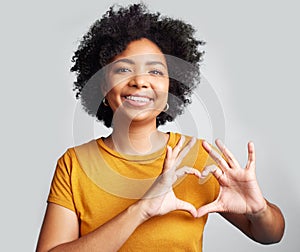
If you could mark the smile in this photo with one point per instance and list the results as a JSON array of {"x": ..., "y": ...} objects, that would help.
[
  {"x": 137, "y": 100},
  {"x": 140, "y": 99}
]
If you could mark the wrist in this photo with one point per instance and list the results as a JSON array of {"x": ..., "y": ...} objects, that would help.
[
  {"x": 138, "y": 210},
  {"x": 259, "y": 214}
]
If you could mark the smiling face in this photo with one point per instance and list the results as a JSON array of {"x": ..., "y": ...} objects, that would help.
[{"x": 138, "y": 81}]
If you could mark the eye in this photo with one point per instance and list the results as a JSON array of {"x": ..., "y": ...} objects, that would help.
[
  {"x": 156, "y": 72},
  {"x": 122, "y": 70}
]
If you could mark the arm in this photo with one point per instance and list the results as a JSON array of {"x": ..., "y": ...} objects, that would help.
[
  {"x": 266, "y": 227},
  {"x": 60, "y": 230},
  {"x": 240, "y": 200}
]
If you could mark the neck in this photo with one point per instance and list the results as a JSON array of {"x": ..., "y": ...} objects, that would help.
[{"x": 138, "y": 138}]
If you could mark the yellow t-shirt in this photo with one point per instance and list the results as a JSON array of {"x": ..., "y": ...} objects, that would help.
[{"x": 97, "y": 183}]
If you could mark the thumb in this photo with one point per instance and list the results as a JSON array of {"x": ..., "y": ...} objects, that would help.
[
  {"x": 208, "y": 208},
  {"x": 186, "y": 206}
]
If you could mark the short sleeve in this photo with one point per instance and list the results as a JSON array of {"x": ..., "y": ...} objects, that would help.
[{"x": 61, "y": 190}]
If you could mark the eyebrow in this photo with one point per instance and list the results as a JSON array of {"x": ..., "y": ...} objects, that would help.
[{"x": 148, "y": 63}]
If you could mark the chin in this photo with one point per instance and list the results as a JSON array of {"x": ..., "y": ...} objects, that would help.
[
  {"x": 143, "y": 116},
  {"x": 139, "y": 116}
]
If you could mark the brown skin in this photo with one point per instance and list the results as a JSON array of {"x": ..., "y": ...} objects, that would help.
[
  {"x": 140, "y": 70},
  {"x": 240, "y": 200},
  {"x": 251, "y": 213}
]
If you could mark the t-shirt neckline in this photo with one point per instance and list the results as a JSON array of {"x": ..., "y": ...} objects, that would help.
[{"x": 147, "y": 157}]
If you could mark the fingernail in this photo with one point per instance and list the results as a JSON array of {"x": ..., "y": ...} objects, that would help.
[
  {"x": 193, "y": 140},
  {"x": 219, "y": 142},
  {"x": 182, "y": 139},
  {"x": 205, "y": 143}
]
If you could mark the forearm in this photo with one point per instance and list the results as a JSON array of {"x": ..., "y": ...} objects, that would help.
[
  {"x": 267, "y": 227},
  {"x": 108, "y": 237}
]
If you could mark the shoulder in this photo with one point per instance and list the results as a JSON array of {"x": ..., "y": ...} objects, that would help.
[{"x": 72, "y": 154}]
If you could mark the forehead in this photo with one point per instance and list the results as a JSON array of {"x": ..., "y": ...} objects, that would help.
[{"x": 141, "y": 49}]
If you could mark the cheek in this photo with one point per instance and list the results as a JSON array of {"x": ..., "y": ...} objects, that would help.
[
  {"x": 113, "y": 98},
  {"x": 112, "y": 82},
  {"x": 113, "y": 86},
  {"x": 166, "y": 85},
  {"x": 161, "y": 83},
  {"x": 162, "y": 87},
  {"x": 118, "y": 80}
]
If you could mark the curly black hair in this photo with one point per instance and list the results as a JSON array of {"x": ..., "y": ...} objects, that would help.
[{"x": 110, "y": 35}]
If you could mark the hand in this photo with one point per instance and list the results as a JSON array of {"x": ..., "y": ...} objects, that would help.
[
  {"x": 160, "y": 198},
  {"x": 239, "y": 190}
]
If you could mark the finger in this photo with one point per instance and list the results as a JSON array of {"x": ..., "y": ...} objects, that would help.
[
  {"x": 168, "y": 160},
  {"x": 187, "y": 170},
  {"x": 185, "y": 151},
  {"x": 213, "y": 169},
  {"x": 209, "y": 208},
  {"x": 251, "y": 156},
  {"x": 178, "y": 146},
  {"x": 186, "y": 206},
  {"x": 233, "y": 163},
  {"x": 215, "y": 156}
]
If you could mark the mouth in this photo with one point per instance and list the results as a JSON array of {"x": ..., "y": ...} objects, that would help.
[
  {"x": 137, "y": 100},
  {"x": 142, "y": 99}
]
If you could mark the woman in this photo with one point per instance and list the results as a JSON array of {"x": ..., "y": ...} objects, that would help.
[{"x": 138, "y": 189}]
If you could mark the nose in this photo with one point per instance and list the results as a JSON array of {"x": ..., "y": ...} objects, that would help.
[{"x": 139, "y": 81}]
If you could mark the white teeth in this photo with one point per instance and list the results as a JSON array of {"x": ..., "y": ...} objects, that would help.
[{"x": 137, "y": 98}]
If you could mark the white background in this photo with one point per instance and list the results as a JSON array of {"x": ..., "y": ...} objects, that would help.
[{"x": 252, "y": 63}]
